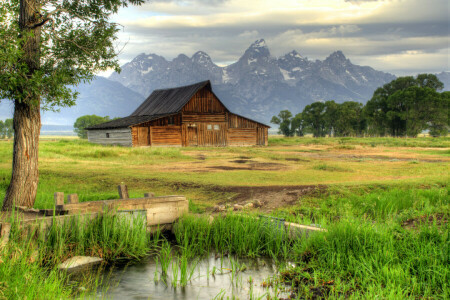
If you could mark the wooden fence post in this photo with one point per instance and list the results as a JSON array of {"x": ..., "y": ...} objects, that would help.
[
  {"x": 59, "y": 200},
  {"x": 123, "y": 191},
  {"x": 72, "y": 199}
]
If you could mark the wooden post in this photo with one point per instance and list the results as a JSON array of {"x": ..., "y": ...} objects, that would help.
[
  {"x": 149, "y": 195},
  {"x": 72, "y": 199},
  {"x": 5, "y": 229},
  {"x": 59, "y": 199},
  {"x": 123, "y": 191}
]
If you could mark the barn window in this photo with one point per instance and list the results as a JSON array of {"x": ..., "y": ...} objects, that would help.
[
  {"x": 107, "y": 135},
  {"x": 171, "y": 120},
  {"x": 216, "y": 127},
  {"x": 209, "y": 127}
]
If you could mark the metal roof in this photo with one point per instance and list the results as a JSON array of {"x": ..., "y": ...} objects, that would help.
[{"x": 168, "y": 101}]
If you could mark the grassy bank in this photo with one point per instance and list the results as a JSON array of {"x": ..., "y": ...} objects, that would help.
[
  {"x": 372, "y": 248},
  {"x": 28, "y": 263}
]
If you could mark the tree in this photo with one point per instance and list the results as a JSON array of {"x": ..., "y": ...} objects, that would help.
[
  {"x": 46, "y": 46},
  {"x": 314, "y": 118},
  {"x": 8, "y": 128},
  {"x": 283, "y": 119},
  {"x": 86, "y": 121},
  {"x": 440, "y": 110},
  {"x": 403, "y": 106},
  {"x": 2, "y": 130},
  {"x": 349, "y": 119},
  {"x": 330, "y": 117},
  {"x": 298, "y": 125}
]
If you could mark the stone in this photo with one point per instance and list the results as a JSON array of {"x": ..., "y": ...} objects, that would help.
[
  {"x": 219, "y": 208},
  {"x": 238, "y": 207},
  {"x": 257, "y": 203},
  {"x": 78, "y": 262},
  {"x": 248, "y": 205}
]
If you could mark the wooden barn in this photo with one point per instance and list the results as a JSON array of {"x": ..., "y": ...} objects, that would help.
[{"x": 184, "y": 116}]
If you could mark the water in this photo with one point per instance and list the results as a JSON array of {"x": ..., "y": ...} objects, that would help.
[{"x": 142, "y": 280}]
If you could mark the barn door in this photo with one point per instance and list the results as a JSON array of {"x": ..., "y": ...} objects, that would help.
[
  {"x": 143, "y": 136},
  {"x": 192, "y": 136},
  {"x": 261, "y": 137}
]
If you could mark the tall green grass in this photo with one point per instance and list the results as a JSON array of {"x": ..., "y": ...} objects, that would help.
[
  {"x": 365, "y": 252},
  {"x": 244, "y": 236},
  {"x": 32, "y": 255}
]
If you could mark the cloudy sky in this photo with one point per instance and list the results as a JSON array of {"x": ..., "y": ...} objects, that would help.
[{"x": 397, "y": 36}]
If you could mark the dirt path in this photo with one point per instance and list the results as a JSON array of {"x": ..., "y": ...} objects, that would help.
[{"x": 271, "y": 197}]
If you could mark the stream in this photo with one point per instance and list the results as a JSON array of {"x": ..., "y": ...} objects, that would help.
[{"x": 212, "y": 277}]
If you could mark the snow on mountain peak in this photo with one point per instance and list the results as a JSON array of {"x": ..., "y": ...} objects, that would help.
[
  {"x": 201, "y": 57},
  {"x": 259, "y": 44}
]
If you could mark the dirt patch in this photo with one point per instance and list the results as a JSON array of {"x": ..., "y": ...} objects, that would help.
[
  {"x": 241, "y": 161},
  {"x": 440, "y": 219},
  {"x": 201, "y": 157},
  {"x": 271, "y": 197},
  {"x": 295, "y": 159},
  {"x": 259, "y": 166}
]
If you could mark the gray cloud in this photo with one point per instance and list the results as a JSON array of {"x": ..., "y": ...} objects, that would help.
[{"x": 399, "y": 31}]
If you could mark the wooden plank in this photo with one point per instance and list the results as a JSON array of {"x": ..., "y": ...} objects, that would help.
[
  {"x": 72, "y": 198},
  {"x": 126, "y": 204}
]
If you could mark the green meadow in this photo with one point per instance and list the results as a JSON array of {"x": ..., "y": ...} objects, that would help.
[{"x": 383, "y": 201}]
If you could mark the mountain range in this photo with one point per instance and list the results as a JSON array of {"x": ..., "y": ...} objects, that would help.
[{"x": 258, "y": 85}]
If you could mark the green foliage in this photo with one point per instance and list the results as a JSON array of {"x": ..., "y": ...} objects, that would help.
[
  {"x": 406, "y": 106},
  {"x": 86, "y": 121},
  {"x": 73, "y": 40},
  {"x": 314, "y": 116},
  {"x": 6, "y": 129},
  {"x": 283, "y": 119}
]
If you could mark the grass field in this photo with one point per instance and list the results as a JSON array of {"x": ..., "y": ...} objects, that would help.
[
  {"x": 384, "y": 201},
  {"x": 210, "y": 175}
]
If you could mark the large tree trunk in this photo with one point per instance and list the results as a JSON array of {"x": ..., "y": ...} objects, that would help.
[
  {"x": 27, "y": 121},
  {"x": 25, "y": 175}
]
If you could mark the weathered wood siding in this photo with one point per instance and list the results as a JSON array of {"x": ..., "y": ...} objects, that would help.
[
  {"x": 204, "y": 101},
  {"x": 245, "y": 132},
  {"x": 203, "y": 121},
  {"x": 165, "y": 135},
  {"x": 211, "y": 118},
  {"x": 241, "y": 136},
  {"x": 120, "y": 136}
]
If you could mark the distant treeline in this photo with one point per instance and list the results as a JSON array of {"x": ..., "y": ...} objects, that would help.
[
  {"x": 6, "y": 129},
  {"x": 404, "y": 107}
]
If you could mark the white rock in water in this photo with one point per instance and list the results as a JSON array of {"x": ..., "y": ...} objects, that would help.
[{"x": 79, "y": 261}]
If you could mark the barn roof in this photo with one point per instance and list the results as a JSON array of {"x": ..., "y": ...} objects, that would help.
[
  {"x": 161, "y": 103},
  {"x": 167, "y": 101},
  {"x": 127, "y": 121}
]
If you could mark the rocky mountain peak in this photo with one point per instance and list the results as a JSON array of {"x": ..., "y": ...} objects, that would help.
[
  {"x": 257, "y": 78},
  {"x": 202, "y": 58},
  {"x": 256, "y": 50},
  {"x": 294, "y": 54},
  {"x": 337, "y": 57}
]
